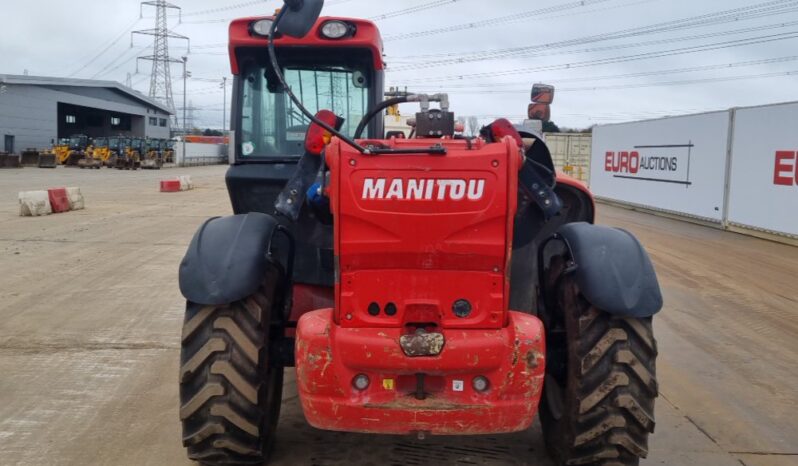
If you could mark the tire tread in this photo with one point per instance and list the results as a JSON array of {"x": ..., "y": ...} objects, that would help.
[
  {"x": 226, "y": 405},
  {"x": 610, "y": 389}
]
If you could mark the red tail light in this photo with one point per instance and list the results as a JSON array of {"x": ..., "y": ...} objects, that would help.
[
  {"x": 318, "y": 137},
  {"x": 501, "y": 128}
]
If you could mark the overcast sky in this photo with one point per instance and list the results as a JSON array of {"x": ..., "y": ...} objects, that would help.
[{"x": 485, "y": 54}]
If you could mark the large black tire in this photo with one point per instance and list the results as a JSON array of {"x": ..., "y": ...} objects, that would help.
[
  {"x": 598, "y": 400},
  {"x": 229, "y": 394}
]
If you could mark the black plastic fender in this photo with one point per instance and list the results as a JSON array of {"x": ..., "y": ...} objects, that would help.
[
  {"x": 612, "y": 269},
  {"x": 227, "y": 259}
]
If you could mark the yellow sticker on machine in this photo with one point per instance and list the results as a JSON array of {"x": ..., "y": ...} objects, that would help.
[{"x": 387, "y": 384}]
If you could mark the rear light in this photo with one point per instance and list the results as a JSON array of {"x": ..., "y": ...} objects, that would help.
[
  {"x": 337, "y": 29},
  {"x": 361, "y": 382},
  {"x": 461, "y": 308},
  {"x": 501, "y": 128},
  {"x": 480, "y": 383},
  {"x": 374, "y": 309},
  {"x": 317, "y": 137},
  {"x": 261, "y": 27}
]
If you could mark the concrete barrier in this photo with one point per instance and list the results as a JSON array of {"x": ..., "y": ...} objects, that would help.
[
  {"x": 75, "y": 197},
  {"x": 59, "y": 201},
  {"x": 34, "y": 203},
  {"x": 185, "y": 182},
  {"x": 170, "y": 186}
]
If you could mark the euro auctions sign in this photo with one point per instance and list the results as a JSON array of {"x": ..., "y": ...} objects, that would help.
[
  {"x": 763, "y": 190},
  {"x": 692, "y": 165},
  {"x": 674, "y": 164},
  {"x": 785, "y": 171},
  {"x": 658, "y": 163}
]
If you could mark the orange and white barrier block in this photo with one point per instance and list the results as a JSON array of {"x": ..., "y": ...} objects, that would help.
[
  {"x": 55, "y": 200},
  {"x": 34, "y": 203}
]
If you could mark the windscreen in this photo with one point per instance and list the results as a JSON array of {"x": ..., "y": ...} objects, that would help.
[{"x": 272, "y": 126}]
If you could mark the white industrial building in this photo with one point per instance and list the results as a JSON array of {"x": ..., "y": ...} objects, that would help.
[{"x": 35, "y": 110}]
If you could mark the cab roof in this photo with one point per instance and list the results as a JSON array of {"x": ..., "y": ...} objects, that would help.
[{"x": 366, "y": 36}]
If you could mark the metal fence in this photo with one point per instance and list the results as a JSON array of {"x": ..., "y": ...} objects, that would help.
[{"x": 200, "y": 161}]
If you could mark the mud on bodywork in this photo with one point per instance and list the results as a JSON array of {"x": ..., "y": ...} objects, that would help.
[{"x": 329, "y": 357}]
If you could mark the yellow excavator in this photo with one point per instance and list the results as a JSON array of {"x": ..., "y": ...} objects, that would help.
[
  {"x": 167, "y": 149},
  {"x": 102, "y": 149},
  {"x": 153, "y": 156},
  {"x": 59, "y": 149},
  {"x": 116, "y": 146},
  {"x": 129, "y": 152},
  {"x": 75, "y": 150},
  {"x": 92, "y": 157}
]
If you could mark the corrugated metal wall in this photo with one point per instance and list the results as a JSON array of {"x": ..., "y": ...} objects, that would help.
[{"x": 30, "y": 113}]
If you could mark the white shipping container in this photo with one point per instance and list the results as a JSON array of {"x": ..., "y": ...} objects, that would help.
[
  {"x": 571, "y": 153},
  {"x": 200, "y": 153},
  {"x": 674, "y": 164},
  {"x": 763, "y": 190}
]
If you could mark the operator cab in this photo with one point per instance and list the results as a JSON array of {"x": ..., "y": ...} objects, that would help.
[
  {"x": 78, "y": 141},
  {"x": 337, "y": 66}
]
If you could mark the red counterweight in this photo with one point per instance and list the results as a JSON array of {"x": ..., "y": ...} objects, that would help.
[{"x": 421, "y": 338}]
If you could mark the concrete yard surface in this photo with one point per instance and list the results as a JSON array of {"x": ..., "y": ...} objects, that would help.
[{"x": 90, "y": 318}]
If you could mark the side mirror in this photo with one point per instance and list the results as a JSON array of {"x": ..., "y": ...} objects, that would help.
[
  {"x": 542, "y": 93},
  {"x": 299, "y": 16}
]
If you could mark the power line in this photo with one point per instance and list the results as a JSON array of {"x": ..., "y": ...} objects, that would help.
[
  {"x": 207, "y": 80},
  {"x": 105, "y": 49},
  {"x": 605, "y": 48},
  {"x": 228, "y": 19},
  {"x": 777, "y": 7},
  {"x": 619, "y": 59},
  {"x": 107, "y": 69},
  {"x": 715, "y": 67},
  {"x": 640, "y": 85},
  {"x": 499, "y": 20},
  {"x": 682, "y": 82},
  {"x": 412, "y": 9},
  {"x": 224, "y": 8}
]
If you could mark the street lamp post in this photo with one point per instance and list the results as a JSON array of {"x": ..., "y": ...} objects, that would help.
[
  {"x": 224, "y": 105},
  {"x": 185, "y": 130}
]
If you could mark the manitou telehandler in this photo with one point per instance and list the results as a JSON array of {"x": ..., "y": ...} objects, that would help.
[{"x": 435, "y": 285}]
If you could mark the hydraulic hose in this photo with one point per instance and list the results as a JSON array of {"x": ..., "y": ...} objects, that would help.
[
  {"x": 377, "y": 109},
  {"x": 287, "y": 88}
]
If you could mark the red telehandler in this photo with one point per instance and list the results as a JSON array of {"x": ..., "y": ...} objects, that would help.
[{"x": 435, "y": 285}]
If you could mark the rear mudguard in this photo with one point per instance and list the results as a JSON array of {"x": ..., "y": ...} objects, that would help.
[
  {"x": 612, "y": 269},
  {"x": 227, "y": 259}
]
